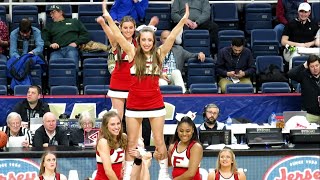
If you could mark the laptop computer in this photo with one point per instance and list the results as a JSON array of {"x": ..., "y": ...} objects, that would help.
[{"x": 289, "y": 114}]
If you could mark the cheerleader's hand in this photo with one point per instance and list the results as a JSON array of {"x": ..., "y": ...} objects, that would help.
[
  {"x": 104, "y": 9},
  {"x": 186, "y": 14}
]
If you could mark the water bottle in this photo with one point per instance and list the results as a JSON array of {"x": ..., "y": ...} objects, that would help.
[
  {"x": 229, "y": 122},
  {"x": 273, "y": 120}
]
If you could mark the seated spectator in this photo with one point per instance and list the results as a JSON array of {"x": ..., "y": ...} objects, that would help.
[
  {"x": 32, "y": 106},
  {"x": 49, "y": 133},
  {"x": 173, "y": 63},
  {"x": 210, "y": 120},
  {"x": 64, "y": 36},
  {"x": 4, "y": 40},
  {"x": 308, "y": 75},
  {"x": 200, "y": 11},
  {"x": 14, "y": 129},
  {"x": 235, "y": 64},
  {"x": 86, "y": 123},
  {"x": 300, "y": 32},
  {"x": 285, "y": 12},
  {"x": 134, "y": 8},
  {"x": 48, "y": 168},
  {"x": 226, "y": 167},
  {"x": 317, "y": 40},
  {"x": 25, "y": 39}
]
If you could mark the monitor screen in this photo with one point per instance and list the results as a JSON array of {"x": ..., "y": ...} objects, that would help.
[
  {"x": 264, "y": 136},
  {"x": 208, "y": 137},
  {"x": 305, "y": 136}
]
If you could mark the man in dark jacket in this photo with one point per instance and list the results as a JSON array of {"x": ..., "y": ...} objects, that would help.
[
  {"x": 308, "y": 75},
  {"x": 32, "y": 106},
  {"x": 235, "y": 64},
  {"x": 49, "y": 134}
]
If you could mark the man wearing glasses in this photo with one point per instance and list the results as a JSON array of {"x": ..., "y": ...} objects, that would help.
[{"x": 210, "y": 115}]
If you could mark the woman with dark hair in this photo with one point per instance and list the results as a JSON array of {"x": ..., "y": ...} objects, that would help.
[
  {"x": 145, "y": 99},
  {"x": 48, "y": 168},
  {"x": 185, "y": 152},
  {"x": 110, "y": 147},
  {"x": 226, "y": 167}
]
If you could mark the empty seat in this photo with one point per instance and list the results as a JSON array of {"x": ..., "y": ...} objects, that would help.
[
  {"x": 163, "y": 12},
  {"x": 225, "y": 37},
  {"x": 21, "y": 90},
  {"x": 96, "y": 89},
  {"x": 204, "y": 88},
  {"x": 258, "y": 16},
  {"x": 62, "y": 71},
  {"x": 88, "y": 14},
  {"x": 64, "y": 90},
  {"x": 239, "y": 88},
  {"x": 264, "y": 42},
  {"x": 3, "y": 13},
  {"x": 196, "y": 41},
  {"x": 3, "y": 73},
  {"x": 275, "y": 87},
  {"x": 296, "y": 61},
  {"x": 315, "y": 10},
  {"x": 200, "y": 72},
  {"x": 170, "y": 89},
  {"x": 95, "y": 72},
  {"x": 3, "y": 90},
  {"x": 225, "y": 15},
  {"x": 36, "y": 75},
  {"x": 97, "y": 36}
]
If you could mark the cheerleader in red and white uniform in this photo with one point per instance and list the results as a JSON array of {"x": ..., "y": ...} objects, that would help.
[
  {"x": 145, "y": 99},
  {"x": 226, "y": 167},
  {"x": 185, "y": 152},
  {"x": 48, "y": 168},
  {"x": 121, "y": 78},
  {"x": 111, "y": 147}
]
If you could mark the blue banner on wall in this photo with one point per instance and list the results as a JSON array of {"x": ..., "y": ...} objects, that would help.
[{"x": 256, "y": 108}]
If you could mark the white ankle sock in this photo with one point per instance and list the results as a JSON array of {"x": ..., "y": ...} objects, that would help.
[
  {"x": 163, "y": 163},
  {"x": 127, "y": 170}
]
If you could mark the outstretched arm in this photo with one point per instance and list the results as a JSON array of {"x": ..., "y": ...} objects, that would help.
[
  {"x": 124, "y": 44},
  {"x": 107, "y": 31},
  {"x": 167, "y": 45}
]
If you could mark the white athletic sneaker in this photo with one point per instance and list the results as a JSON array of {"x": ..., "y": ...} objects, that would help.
[{"x": 163, "y": 175}]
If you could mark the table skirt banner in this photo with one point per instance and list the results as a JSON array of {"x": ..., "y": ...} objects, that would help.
[{"x": 255, "y": 167}]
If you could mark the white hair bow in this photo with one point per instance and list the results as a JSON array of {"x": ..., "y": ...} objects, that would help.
[
  {"x": 139, "y": 28},
  {"x": 191, "y": 115}
]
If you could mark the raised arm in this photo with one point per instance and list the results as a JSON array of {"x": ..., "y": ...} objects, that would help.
[
  {"x": 124, "y": 44},
  {"x": 107, "y": 31},
  {"x": 167, "y": 45}
]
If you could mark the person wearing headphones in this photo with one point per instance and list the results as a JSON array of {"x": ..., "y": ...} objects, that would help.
[{"x": 210, "y": 115}]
